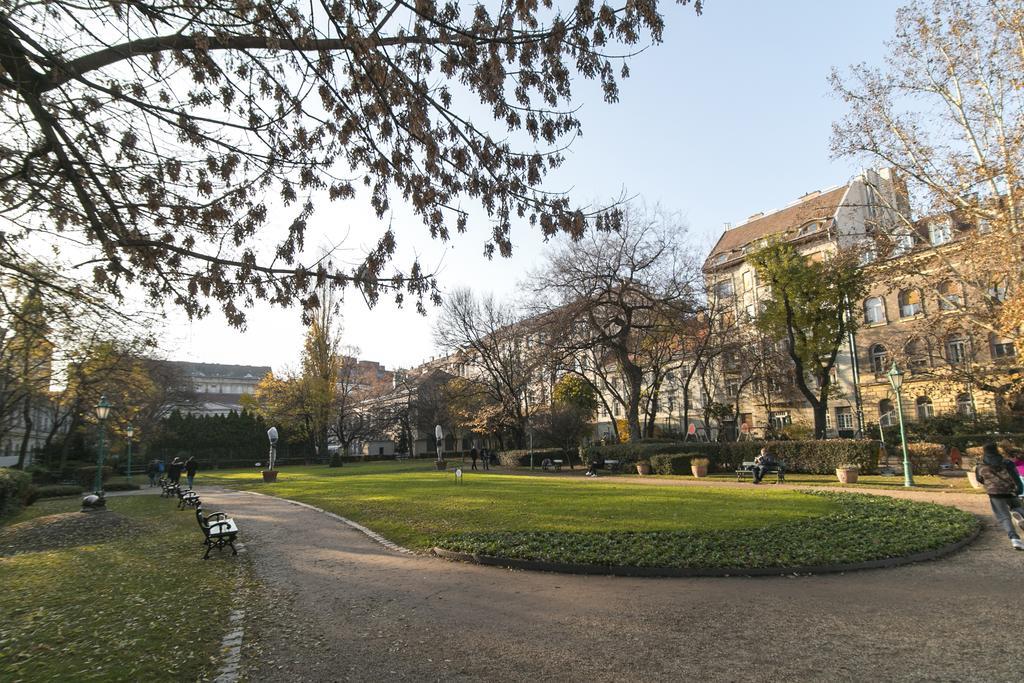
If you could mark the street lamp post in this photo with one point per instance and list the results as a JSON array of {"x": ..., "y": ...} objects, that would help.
[
  {"x": 129, "y": 432},
  {"x": 95, "y": 501},
  {"x": 896, "y": 380}
]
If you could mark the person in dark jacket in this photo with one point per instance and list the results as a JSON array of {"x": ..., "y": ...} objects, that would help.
[
  {"x": 474, "y": 455},
  {"x": 1003, "y": 485},
  {"x": 190, "y": 470},
  {"x": 174, "y": 470},
  {"x": 152, "y": 471},
  {"x": 762, "y": 463}
]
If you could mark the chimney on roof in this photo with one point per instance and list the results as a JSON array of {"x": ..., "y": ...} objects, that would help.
[
  {"x": 759, "y": 214},
  {"x": 810, "y": 195},
  {"x": 728, "y": 225}
]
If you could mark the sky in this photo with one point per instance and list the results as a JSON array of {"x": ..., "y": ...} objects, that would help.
[{"x": 729, "y": 116}]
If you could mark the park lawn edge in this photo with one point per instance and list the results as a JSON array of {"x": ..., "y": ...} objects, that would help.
[{"x": 866, "y": 529}]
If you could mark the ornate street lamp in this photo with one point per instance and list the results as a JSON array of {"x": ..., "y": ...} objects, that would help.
[
  {"x": 129, "y": 432},
  {"x": 896, "y": 380},
  {"x": 96, "y": 500}
]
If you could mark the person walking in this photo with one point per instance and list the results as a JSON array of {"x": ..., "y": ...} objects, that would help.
[
  {"x": 485, "y": 456},
  {"x": 190, "y": 470},
  {"x": 152, "y": 471},
  {"x": 474, "y": 454},
  {"x": 1002, "y": 484},
  {"x": 174, "y": 470}
]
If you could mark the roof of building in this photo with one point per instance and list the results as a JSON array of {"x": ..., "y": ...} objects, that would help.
[
  {"x": 815, "y": 205},
  {"x": 221, "y": 370}
]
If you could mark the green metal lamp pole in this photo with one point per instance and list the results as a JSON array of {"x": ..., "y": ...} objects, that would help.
[
  {"x": 896, "y": 380},
  {"x": 129, "y": 432},
  {"x": 102, "y": 412}
]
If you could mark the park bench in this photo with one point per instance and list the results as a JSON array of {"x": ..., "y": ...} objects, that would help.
[
  {"x": 555, "y": 465},
  {"x": 219, "y": 531},
  {"x": 169, "y": 488},
  {"x": 402, "y": 456},
  {"x": 613, "y": 465},
  {"x": 187, "y": 498},
  {"x": 747, "y": 470}
]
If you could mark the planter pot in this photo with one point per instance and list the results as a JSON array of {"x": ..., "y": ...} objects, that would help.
[
  {"x": 441, "y": 465},
  {"x": 699, "y": 470},
  {"x": 847, "y": 475},
  {"x": 973, "y": 478},
  {"x": 270, "y": 476},
  {"x": 643, "y": 468}
]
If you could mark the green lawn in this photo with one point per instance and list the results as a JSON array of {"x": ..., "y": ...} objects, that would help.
[
  {"x": 572, "y": 519},
  {"x": 136, "y": 604},
  {"x": 928, "y": 482}
]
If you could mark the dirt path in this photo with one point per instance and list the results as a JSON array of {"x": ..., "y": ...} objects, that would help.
[{"x": 344, "y": 608}]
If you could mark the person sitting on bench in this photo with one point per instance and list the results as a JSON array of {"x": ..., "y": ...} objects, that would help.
[
  {"x": 762, "y": 463},
  {"x": 595, "y": 465}
]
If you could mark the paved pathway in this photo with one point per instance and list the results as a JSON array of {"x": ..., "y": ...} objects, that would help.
[{"x": 345, "y": 608}]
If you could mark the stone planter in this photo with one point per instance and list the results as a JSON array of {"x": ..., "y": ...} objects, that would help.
[
  {"x": 643, "y": 468},
  {"x": 847, "y": 475},
  {"x": 973, "y": 478},
  {"x": 699, "y": 470},
  {"x": 269, "y": 476},
  {"x": 441, "y": 465}
]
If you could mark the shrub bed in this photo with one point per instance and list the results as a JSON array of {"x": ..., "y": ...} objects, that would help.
[
  {"x": 86, "y": 476},
  {"x": 121, "y": 486},
  {"x": 925, "y": 458},
  {"x": 58, "y": 490},
  {"x": 864, "y": 528},
  {"x": 672, "y": 463},
  {"x": 16, "y": 491},
  {"x": 521, "y": 458}
]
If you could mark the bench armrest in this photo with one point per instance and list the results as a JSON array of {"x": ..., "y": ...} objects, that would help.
[{"x": 214, "y": 525}]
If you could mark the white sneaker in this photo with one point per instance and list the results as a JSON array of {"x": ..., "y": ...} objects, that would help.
[
  {"x": 1018, "y": 518},
  {"x": 1017, "y": 544}
]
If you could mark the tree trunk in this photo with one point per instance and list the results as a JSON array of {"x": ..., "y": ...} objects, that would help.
[{"x": 26, "y": 416}]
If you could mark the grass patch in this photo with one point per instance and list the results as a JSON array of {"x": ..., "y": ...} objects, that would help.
[
  {"x": 860, "y": 528},
  {"x": 133, "y": 603},
  {"x": 411, "y": 504},
  {"x": 928, "y": 482}
]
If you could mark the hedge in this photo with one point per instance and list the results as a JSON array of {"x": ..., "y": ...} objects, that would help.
[
  {"x": 964, "y": 441},
  {"x": 86, "y": 476},
  {"x": 808, "y": 457},
  {"x": 16, "y": 491},
  {"x": 58, "y": 490},
  {"x": 925, "y": 458},
  {"x": 678, "y": 463},
  {"x": 521, "y": 458}
]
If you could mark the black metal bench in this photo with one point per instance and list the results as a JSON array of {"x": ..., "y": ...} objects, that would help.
[
  {"x": 187, "y": 498},
  {"x": 747, "y": 470},
  {"x": 613, "y": 465},
  {"x": 168, "y": 488},
  {"x": 219, "y": 531}
]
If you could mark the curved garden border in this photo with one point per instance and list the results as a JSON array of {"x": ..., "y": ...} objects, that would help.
[{"x": 536, "y": 565}]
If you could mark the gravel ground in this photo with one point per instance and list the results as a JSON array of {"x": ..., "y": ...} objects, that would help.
[{"x": 342, "y": 608}]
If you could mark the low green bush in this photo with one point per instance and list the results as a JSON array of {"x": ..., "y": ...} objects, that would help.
[
  {"x": 16, "y": 491},
  {"x": 647, "y": 450},
  {"x": 926, "y": 458},
  {"x": 121, "y": 486},
  {"x": 678, "y": 463},
  {"x": 521, "y": 458},
  {"x": 58, "y": 490},
  {"x": 86, "y": 476}
]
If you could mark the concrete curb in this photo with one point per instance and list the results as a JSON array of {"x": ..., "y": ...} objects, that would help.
[
  {"x": 534, "y": 565},
  {"x": 355, "y": 525}
]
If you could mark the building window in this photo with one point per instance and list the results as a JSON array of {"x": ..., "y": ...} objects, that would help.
[
  {"x": 879, "y": 359},
  {"x": 724, "y": 289},
  {"x": 910, "y": 303},
  {"x": 940, "y": 232},
  {"x": 956, "y": 349},
  {"x": 964, "y": 405},
  {"x": 807, "y": 229},
  {"x": 844, "y": 419},
  {"x": 997, "y": 291},
  {"x": 950, "y": 295},
  {"x": 902, "y": 244},
  {"x": 721, "y": 258},
  {"x": 732, "y": 388},
  {"x": 781, "y": 420},
  {"x": 874, "y": 310},
  {"x": 748, "y": 280},
  {"x": 886, "y": 413},
  {"x": 751, "y": 312},
  {"x": 925, "y": 409},
  {"x": 1002, "y": 348},
  {"x": 917, "y": 356}
]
